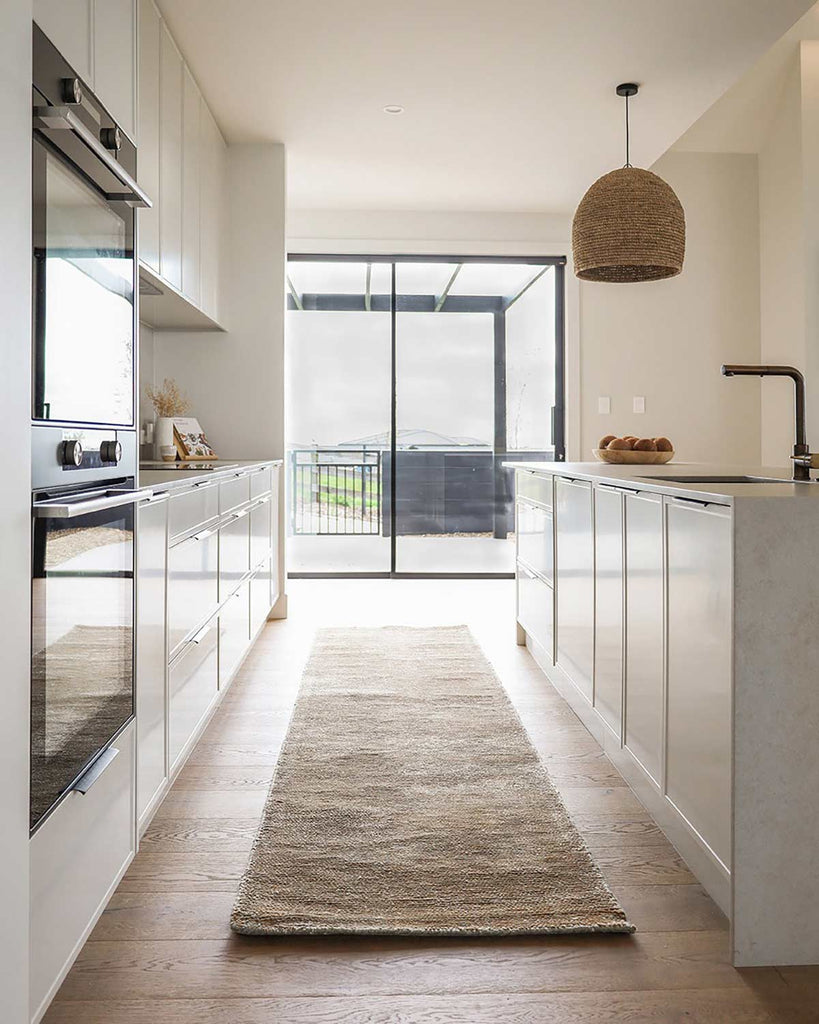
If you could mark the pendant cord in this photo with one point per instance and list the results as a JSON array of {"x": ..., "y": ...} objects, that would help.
[{"x": 628, "y": 161}]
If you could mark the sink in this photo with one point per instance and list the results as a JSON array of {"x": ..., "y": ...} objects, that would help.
[{"x": 724, "y": 480}]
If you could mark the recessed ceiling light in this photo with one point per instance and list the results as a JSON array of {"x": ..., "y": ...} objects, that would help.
[{"x": 393, "y": 108}]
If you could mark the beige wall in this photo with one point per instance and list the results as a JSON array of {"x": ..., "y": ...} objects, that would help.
[
  {"x": 782, "y": 271},
  {"x": 666, "y": 340}
]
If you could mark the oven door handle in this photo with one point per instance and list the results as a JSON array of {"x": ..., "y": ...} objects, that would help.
[
  {"x": 64, "y": 117},
  {"x": 70, "y": 509}
]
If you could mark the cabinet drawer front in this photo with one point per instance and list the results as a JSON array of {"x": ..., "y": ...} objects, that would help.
[
  {"x": 234, "y": 492},
  {"x": 76, "y": 856},
  {"x": 193, "y": 510},
  {"x": 532, "y": 485},
  {"x": 536, "y": 609},
  {"x": 699, "y": 673},
  {"x": 192, "y": 684},
  {"x": 535, "y": 533},
  {"x": 234, "y": 552},
  {"x": 261, "y": 482},
  {"x": 260, "y": 526},
  {"x": 234, "y": 633},
  {"x": 260, "y": 596},
  {"x": 192, "y": 585},
  {"x": 644, "y": 631},
  {"x": 575, "y": 582},
  {"x": 609, "y": 607}
]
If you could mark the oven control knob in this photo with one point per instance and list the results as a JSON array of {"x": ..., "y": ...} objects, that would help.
[
  {"x": 110, "y": 451},
  {"x": 71, "y": 90},
  {"x": 71, "y": 453},
  {"x": 111, "y": 138}
]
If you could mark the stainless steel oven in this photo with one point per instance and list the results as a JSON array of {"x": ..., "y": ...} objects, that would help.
[
  {"x": 84, "y": 452},
  {"x": 84, "y": 276},
  {"x": 82, "y": 679}
]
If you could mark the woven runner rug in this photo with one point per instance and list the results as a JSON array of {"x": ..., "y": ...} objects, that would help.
[{"x": 408, "y": 800}]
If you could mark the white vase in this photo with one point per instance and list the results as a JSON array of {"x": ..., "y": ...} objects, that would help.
[{"x": 163, "y": 435}]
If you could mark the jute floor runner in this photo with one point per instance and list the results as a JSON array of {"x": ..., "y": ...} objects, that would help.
[{"x": 409, "y": 800}]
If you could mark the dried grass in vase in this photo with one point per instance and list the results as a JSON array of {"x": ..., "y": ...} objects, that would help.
[{"x": 168, "y": 400}]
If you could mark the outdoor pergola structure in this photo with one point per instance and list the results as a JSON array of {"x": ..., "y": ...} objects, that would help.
[{"x": 445, "y": 302}]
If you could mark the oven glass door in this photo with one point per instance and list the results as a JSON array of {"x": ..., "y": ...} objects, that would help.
[
  {"x": 82, "y": 690},
  {"x": 83, "y": 299}
]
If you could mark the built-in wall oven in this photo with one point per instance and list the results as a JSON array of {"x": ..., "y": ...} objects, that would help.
[{"x": 84, "y": 452}]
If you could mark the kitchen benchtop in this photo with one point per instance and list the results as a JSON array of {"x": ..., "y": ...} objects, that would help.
[
  {"x": 172, "y": 476},
  {"x": 654, "y": 478}
]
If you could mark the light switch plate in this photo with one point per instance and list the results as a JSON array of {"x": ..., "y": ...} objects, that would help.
[
  {"x": 639, "y": 403},
  {"x": 604, "y": 405}
]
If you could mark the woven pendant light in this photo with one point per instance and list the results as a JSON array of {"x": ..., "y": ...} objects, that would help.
[{"x": 630, "y": 225}]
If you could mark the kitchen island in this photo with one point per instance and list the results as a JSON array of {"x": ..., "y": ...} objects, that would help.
[{"x": 676, "y": 608}]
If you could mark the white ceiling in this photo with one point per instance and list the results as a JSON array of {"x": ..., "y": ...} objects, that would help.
[
  {"x": 510, "y": 106},
  {"x": 739, "y": 121}
]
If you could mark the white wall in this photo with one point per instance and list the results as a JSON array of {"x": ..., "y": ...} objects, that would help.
[
  {"x": 666, "y": 340},
  {"x": 15, "y": 507},
  {"x": 235, "y": 380}
]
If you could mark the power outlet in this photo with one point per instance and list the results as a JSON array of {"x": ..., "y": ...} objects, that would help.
[
  {"x": 639, "y": 404},
  {"x": 604, "y": 405}
]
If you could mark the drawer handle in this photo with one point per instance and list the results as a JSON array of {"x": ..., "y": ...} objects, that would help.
[
  {"x": 205, "y": 534},
  {"x": 89, "y": 777},
  {"x": 197, "y": 638},
  {"x": 240, "y": 515}
]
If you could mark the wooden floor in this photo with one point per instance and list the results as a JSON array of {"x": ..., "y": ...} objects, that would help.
[{"x": 163, "y": 951}]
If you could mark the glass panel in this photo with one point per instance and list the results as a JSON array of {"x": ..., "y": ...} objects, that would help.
[
  {"x": 85, "y": 325},
  {"x": 475, "y": 385},
  {"x": 445, "y": 479},
  {"x": 338, "y": 417},
  {"x": 82, "y": 657}
]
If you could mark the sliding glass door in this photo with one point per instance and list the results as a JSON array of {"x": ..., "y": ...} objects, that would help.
[{"x": 410, "y": 382}]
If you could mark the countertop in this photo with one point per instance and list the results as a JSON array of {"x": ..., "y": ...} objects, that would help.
[
  {"x": 654, "y": 478},
  {"x": 172, "y": 476}
]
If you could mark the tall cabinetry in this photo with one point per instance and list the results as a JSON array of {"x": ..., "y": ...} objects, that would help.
[
  {"x": 99, "y": 41},
  {"x": 184, "y": 154}
]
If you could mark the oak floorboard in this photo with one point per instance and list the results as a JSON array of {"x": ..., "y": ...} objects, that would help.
[
  {"x": 345, "y": 965},
  {"x": 692, "y": 1006}
]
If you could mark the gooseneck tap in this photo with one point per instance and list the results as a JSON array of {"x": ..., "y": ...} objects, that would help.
[{"x": 801, "y": 452}]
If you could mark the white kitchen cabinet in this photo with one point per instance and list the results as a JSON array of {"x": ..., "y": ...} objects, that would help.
[
  {"x": 211, "y": 209},
  {"x": 234, "y": 551},
  {"x": 234, "y": 633},
  {"x": 699, "y": 668},
  {"x": 192, "y": 584},
  {"x": 115, "y": 60},
  {"x": 148, "y": 131},
  {"x": 69, "y": 24},
  {"x": 644, "y": 630},
  {"x": 575, "y": 581},
  {"x": 260, "y": 596},
  {"x": 77, "y": 858},
  {"x": 152, "y": 657},
  {"x": 170, "y": 159},
  {"x": 609, "y": 606},
  {"x": 191, "y": 163},
  {"x": 260, "y": 530},
  {"x": 536, "y": 609},
  {"x": 193, "y": 685},
  {"x": 535, "y": 538}
]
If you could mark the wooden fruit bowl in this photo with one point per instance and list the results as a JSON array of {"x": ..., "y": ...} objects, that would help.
[{"x": 631, "y": 458}]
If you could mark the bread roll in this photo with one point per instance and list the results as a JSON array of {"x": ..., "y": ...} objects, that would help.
[
  {"x": 645, "y": 444},
  {"x": 604, "y": 441},
  {"x": 619, "y": 444},
  {"x": 663, "y": 444}
]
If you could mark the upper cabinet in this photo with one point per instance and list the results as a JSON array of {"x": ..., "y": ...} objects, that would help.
[
  {"x": 181, "y": 157},
  {"x": 99, "y": 41}
]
